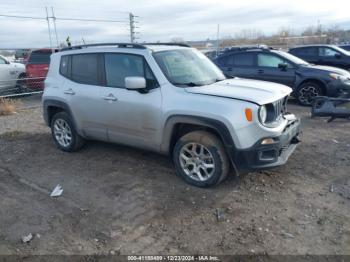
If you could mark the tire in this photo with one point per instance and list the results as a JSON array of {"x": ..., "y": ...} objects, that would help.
[
  {"x": 307, "y": 92},
  {"x": 62, "y": 126},
  {"x": 189, "y": 161}
]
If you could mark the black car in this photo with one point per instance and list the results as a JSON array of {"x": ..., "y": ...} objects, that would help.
[
  {"x": 346, "y": 47},
  {"x": 323, "y": 55},
  {"x": 306, "y": 80}
]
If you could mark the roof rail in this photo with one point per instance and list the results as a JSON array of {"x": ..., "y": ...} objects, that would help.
[
  {"x": 120, "y": 45},
  {"x": 170, "y": 44},
  {"x": 247, "y": 47}
]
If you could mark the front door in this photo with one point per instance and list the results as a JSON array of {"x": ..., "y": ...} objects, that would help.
[
  {"x": 275, "y": 69},
  {"x": 330, "y": 56},
  {"x": 133, "y": 117}
]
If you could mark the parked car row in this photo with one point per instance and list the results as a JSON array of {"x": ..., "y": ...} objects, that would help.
[
  {"x": 306, "y": 79},
  {"x": 10, "y": 74},
  {"x": 16, "y": 77}
]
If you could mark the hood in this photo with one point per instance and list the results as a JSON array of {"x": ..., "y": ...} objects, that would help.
[
  {"x": 258, "y": 92},
  {"x": 328, "y": 69}
]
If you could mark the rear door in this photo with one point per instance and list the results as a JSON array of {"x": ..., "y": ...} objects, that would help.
[
  {"x": 309, "y": 54},
  {"x": 132, "y": 117},
  {"x": 82, "y": 91},
  {"x": 243, "y": 65},
  {"x": 269, "y": 69}
]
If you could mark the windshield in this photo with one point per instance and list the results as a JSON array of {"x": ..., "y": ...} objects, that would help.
[
  {"x": 341, "y": 50},
  {"x": 292, "y": 58},
  {"x": 188, "y": 67}
]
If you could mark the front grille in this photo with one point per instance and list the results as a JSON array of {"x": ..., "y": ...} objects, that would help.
[{"x": 280, "y": 107}]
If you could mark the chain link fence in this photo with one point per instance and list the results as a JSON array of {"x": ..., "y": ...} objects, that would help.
[{"x": 21, "y": 86}]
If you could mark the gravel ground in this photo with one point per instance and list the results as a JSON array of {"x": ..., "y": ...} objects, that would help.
[{"x": 122, "y": 200}]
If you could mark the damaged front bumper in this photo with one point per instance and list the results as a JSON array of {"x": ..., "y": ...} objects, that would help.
[{"x": 270, "y": 151}]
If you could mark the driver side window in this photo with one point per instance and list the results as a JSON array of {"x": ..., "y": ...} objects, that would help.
[
  {"x": 268, "y": 60},
  {"x": 120, "y": 66}
]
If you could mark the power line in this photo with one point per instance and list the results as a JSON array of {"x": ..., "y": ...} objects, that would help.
[
  {"x": 65, "y": 19},
  {"x": 89, "y": 20},
  {"x": 24, "y": 17}
]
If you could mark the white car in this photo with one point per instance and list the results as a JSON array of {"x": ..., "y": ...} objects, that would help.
[{"x": 10, "y": 73}]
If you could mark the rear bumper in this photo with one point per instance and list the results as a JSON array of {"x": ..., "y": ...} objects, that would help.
[{"x": 259, "y": 156}]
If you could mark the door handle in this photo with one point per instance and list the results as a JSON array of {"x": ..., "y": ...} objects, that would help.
[
  {"x": 110, "y": 97},
  {"x": 260, "y": 71},
  {"x": 69, "y": 92},
  {"x": 229, "y": 69}
]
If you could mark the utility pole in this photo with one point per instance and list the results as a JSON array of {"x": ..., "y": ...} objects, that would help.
[
  {"x": 48, "y": 25},
  {"x": 132, "y": 27},
  {"x": 54, "y": 25}
]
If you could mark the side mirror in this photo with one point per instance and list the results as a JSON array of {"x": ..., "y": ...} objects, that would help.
[
  {"x": 338, "y": 56},
  {"x": 135, "y": 83},
  {"x": 283, "y": 67}
]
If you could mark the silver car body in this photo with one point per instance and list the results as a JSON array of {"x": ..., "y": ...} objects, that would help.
[{"x": 145, "y": 120}]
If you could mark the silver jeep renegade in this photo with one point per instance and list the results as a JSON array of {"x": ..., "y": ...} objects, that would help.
[{"x": 169, "y": 99}]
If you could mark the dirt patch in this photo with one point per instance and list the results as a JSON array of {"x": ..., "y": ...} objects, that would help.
[{"x": 124, "y": 200}]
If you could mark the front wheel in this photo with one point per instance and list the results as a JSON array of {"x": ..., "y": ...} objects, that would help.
[
  {"x": 64, "y": 134},
  {"x": 200, "y": 159},
  {"x": 307, "y": 92}
]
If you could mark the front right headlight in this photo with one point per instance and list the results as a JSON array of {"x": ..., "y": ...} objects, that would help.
[
  {"x": 262, "y": 114},
  {"x": 338, "y": 77}
]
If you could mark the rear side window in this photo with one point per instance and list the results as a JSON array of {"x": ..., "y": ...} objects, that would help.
[
  {"x": 244, "y": 59},
  {"x": 37, "y": 57},
  {"x": 306, "y": 51},
  {"x": 120, "y": 66},
  {"x": 85, "y": 69},
  {"x": 226, "y": 60},
  {"x": 64, "y": 66}
]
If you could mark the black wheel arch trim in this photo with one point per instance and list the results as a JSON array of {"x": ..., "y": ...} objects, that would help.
[
  {"x": 217, "y": 125},
  {"x": 322, "y": 83},
  {"x": 56, "y": 103}
]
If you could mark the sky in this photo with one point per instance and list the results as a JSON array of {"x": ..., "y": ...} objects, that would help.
[{"x": 161, "y": 20}]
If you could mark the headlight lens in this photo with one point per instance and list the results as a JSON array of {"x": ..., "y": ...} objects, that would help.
[
  {"x": 338, "y": 77},
  {"x": 263, "y": 114}
]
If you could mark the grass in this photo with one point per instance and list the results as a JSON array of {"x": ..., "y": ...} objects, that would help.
[{"x": 8, "y": 106}]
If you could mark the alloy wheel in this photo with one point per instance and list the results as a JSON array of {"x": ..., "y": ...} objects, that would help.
[
  {"x": 307, "y": 94},
  {"x": 62, "y": 132},
  {"x": 197, "y": 162}
]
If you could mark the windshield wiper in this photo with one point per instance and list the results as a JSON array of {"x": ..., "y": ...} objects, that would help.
[{"x": 190, "y": 84}]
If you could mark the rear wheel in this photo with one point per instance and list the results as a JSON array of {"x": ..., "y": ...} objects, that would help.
[
  {"x": 64, "y": 134},
  {"x": 200, "y": 159},
  {"x": 307, "y": 92}
]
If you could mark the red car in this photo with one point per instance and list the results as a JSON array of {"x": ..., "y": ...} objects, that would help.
[{"x": 37, "y": 67}]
